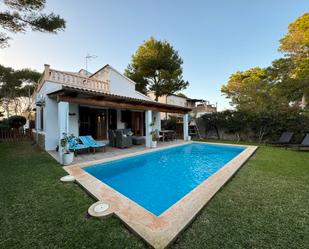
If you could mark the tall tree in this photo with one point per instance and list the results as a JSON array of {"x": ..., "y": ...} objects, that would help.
[
  {"x": 296, "y": 41},
  {"x": 20, "y": 15},
  {"x": 296, "y": 45},
  {"x": 249, "y": 90},
  {"x": 16, "y": 88},
  {"x": 156, "y": 66},
  {"x": 278, "y": 86}
]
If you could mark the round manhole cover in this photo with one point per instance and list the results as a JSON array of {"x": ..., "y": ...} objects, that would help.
[{"x": 99, "y": 208}]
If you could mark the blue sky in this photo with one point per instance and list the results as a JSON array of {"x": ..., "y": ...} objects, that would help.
[{"x": 214, "y": 38}]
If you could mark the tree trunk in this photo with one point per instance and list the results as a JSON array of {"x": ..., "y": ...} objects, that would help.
[
  {"x": 218, "y": 133},
  {"x": 303, "y": 102},
  {"x": 238, "y": 137}
]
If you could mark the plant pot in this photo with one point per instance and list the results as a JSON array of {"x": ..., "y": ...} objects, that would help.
[
  {"x": 67, "y": 158},
  {"x": 153, "y": 144},
  {"x": 189, "y": 138}
]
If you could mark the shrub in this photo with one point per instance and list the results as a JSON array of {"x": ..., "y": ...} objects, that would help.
[
  {"x": 16, "y": 121},
  {"x": 169, "y": 124},
  {"x": 4, "y": 123},
  {"x": 262, "y": 125}
]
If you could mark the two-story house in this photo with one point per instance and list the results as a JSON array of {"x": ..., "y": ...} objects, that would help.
[{"x": 90, "y": 104}]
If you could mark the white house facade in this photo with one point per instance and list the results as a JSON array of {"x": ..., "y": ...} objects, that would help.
[{"x": 92, "y": 104}]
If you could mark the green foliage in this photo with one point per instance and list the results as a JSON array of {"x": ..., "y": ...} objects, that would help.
[
  {"x": 278, "y": 86},
  {"x": 236, "y": 122},
  {"x": 17, "y": 121},
  {"x": 169, "y": 124},
  {"x": 216, "y": 121},
  {"x": 15, "y": 84},
  {"x": 157, "y": 67},
  {"x": 262, "y": 125},
  {"x": 21, "y": 15},
  {"x": 4, "y": 123},
  {"x": 296, "y": 41},
  {"x": 181, "y": 95},
  {"x": 249, "y": 90}
]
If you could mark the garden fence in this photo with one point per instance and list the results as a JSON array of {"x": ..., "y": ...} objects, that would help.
[{"x": 10, "y": 134}]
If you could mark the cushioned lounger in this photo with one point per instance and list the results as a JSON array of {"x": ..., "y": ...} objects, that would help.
[
  {"x": 90, "y": 142},
  {"x": 285, "y": 138},
  {"x": 304, "y": 144},
  {"x": 75, "y": 146}
]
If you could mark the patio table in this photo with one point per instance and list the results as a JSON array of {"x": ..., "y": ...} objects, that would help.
[{"x": 166, "y": 134}]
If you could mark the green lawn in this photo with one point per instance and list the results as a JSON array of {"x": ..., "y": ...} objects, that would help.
[{"x": 266, "y": 205}]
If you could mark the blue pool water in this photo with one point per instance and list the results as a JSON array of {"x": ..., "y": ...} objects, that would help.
[{"x": 157, "y": 180}]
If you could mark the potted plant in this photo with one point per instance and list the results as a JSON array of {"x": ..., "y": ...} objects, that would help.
[
  {"x": 154, "y": 136},
  {"x": 67, "y": 156}
]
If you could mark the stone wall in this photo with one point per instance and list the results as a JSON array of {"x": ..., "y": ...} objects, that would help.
[
  {"x": 212, "y": 134},
  {"x": 40, "y": 139}
]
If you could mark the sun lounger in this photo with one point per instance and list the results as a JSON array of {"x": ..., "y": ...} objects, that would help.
[
  {"x": 75, "y": 146},
  {"x": 90, "y": 142},
  {"x": 304, "y": 144},
  {"x": 285, "y": 139}
]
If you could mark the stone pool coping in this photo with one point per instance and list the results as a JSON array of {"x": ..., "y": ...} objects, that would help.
[{"x": 158, "y": 231}]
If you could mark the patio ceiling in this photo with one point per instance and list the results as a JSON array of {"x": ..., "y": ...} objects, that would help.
[{"x": 93, "y": 98}]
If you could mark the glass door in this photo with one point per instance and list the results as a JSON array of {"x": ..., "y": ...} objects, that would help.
[{"x": 101, "y": 124}]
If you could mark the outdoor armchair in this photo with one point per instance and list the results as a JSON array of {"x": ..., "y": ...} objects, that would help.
[{"x": 123, "y": 140}]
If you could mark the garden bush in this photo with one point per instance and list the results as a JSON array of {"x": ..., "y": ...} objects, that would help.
[
  {"x": 17, "y": 121},
  {"x": 259, "y": 126}
]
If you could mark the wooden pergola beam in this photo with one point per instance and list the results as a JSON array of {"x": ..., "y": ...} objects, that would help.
[{"x": 119, "y": 104}]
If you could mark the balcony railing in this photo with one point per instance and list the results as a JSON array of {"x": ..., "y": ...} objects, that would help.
[
  {"x": 204, "y": 108},
  {"x": 75, "y": 80}
]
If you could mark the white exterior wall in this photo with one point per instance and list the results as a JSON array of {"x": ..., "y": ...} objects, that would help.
[
  {"x": 50, "y": 113},
  {"x": 185, "y": 127},
  {"x": 148, "y": 121},
  {"x": 171, "y": 100},
  {"x": 63, "y": 124},
  {"x": 120, "y": 125},
  {"x": 157, "y": 120},
  {"x": 120, "y": 85},
  {"x": 73, "y": 119},
  {"x": 176, "y": 100},
  {"x": 51, "y": 124}
]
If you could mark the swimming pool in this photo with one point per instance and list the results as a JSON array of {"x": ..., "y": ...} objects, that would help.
[{"x": 159, "y": 179}]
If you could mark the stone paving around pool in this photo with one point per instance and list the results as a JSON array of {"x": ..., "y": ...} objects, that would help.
[{"x": 157, "y": 231}]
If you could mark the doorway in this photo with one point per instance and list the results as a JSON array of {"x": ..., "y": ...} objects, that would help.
[
  {"x": 137, "y": 123},
  {"x": 93, "y": 122}
]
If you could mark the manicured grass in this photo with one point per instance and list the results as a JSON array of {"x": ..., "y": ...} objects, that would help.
[{"x": 266, "y": 205}]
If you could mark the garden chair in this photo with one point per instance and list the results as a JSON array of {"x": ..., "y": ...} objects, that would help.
[{"x": 123, "y": 140}]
